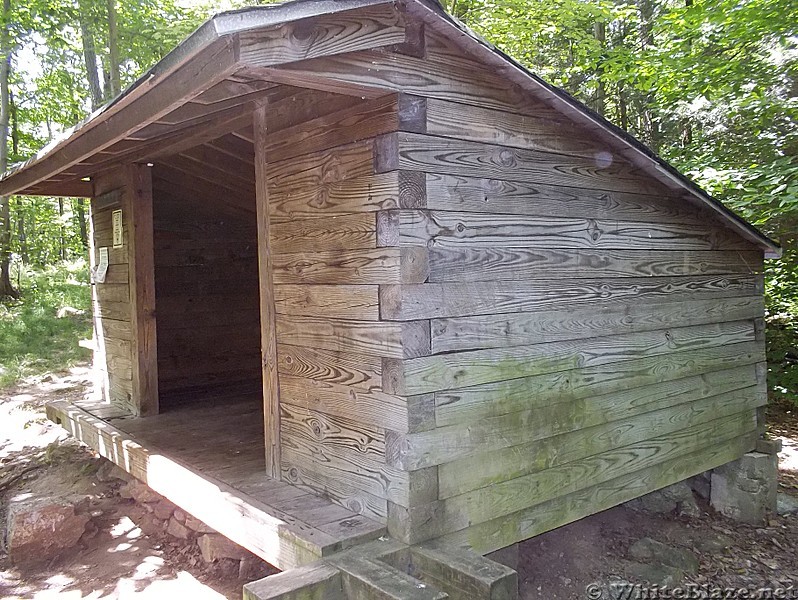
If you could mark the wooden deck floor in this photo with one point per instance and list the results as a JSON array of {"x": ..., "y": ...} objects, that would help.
[{"x": 209, "y": 460}]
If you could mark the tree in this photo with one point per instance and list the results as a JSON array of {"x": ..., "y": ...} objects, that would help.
[{"x": 6, "y": 287}]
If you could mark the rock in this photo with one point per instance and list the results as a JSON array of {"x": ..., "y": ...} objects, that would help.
[
  {"x": 215, "y": 546},
  {"x": 38, "y": 529},
  {"x": 746, "y": 489},
  {"x": 249, "y": 569},
  {"x": 651, "y": 551},
  {"x": 108, "y": 471},
  {"x": 786, "y": 504},
  {"x": 150, "y": 525},
  {"x": 676, "y": 498},
  {"x": 139, "y": 492},
  {"x": 228, "y": 567},
  {"x": 177, "y": 529},
  {"x": 180, "y": 515},
  {"x": 700, "y": 484},
  {"x": 655, "y": 574},
  {"x": 713, "y": 542},
  {"x": 163, "y": 509},
  {"x": 197, "y": 526},
  {"x": 142, "y": 493}
]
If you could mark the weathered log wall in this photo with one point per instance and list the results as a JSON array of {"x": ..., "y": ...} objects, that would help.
[
  {"x": 592, "y": 335},
  {"x": 325, "y": 200}
]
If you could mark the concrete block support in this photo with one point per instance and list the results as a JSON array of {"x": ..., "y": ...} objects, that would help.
[{"x": 745, "y": 489}]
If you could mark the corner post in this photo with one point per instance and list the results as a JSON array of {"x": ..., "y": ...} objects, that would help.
[
  {"x": 142, "y": 289},
  {"x": 271, "y": 384}
]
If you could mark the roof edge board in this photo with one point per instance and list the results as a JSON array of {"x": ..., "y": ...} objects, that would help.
[
  {"x": 433, "y": 14},
  {"x": 261, "y": 17}
]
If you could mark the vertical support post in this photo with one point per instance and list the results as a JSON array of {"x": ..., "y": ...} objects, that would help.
[
  {"x": 142, "y": 288},
  {"x": 271, "y": 384}
]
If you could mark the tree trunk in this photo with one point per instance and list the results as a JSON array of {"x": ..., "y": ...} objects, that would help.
[
  {"x": 90, "y": 57},
  {"x": 649, "y": 125},
  {"x": 21, "y": 234},
  {"x": 61, "y": 236},
  {"x": 113, "y": 50},
  {"x": 600, "y": 33},
  {"x": 6, "y": 288}
]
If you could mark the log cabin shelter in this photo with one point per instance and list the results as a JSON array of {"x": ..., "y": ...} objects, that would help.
[{"x": 364, "y": 273}]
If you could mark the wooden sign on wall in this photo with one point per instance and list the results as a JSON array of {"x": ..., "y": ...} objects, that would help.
[{"x": 117, "y": 228}]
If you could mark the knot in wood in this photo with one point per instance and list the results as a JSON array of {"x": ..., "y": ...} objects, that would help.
[{"x": 506, "y": 158}]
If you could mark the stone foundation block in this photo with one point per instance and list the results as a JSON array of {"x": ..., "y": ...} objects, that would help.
[{"x": 745, "y": 489}]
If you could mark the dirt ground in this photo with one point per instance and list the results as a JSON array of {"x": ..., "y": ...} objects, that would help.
[{"x": 116, "y": 559}]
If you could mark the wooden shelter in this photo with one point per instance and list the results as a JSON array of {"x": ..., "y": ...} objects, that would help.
[{"x": 367, "y": 272}]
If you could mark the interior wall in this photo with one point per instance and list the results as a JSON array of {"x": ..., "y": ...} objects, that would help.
[{"x": 206, "y": 273}]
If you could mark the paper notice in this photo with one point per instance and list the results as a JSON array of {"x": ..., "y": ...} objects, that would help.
[{"x": 102, "y": 266}]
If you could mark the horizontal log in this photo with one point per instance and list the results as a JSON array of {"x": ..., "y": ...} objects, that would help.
[
  {"x": 370, "y": 193},
  {"x": 467, "y": 264},
  {"x": 391, "y": 340},
  {"x": 467, "y": 193},
  {"x": 358, "y": 302},
  {"x": 517, "y": 329},
  {"x": 500, "y": 532},
  {"x": 548, "y": 132},
  {"x": 507, "y": 497},
  {"x": 352, "y": 267},
  {"x": 370, "y": 407},
  {"x": 325, "y": 167},
  {"x": 457, "y": 444},
  {"x": 345, "y": 232},
  {"x": 433, "y": 300},
  {"x": 458, "y": 77},
  {"x": 360, "y": 371},
  {"x": 442, "y": 230},
  {"x": 336, "y": 448},
  {"x": 430, "y": 154},
  {"x": 306, "y": 475},
  {"x": 568, "y": 444},
  {"x": 337, "y": 33},
  {"x": 470, "y": 404},
  {"x": 466, "y": 369},
  {"x": 358, "y": 121}
]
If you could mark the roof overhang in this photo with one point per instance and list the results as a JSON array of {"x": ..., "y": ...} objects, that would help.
[{"x": 149, "y": 111}]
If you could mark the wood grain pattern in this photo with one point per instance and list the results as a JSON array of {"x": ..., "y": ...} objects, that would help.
[
  {"x": 513, "y": 495},
  {"x": 356, "y": 370},
  {"x": 358, "y": 302},
  {"x": 319, "y": 168},
  {"x": 446, "y": 445},
  {"x": 392, "y": 340},
  {"x": 434, "y": 300},
  {"x": 469, "y": 193},
  {"x": 500, "y": 263},
  {"x": 452, "y": 230},
  {"x": 372, "y": 407},
  {"x": 459, "y": 476},
  {"x": 466, "y": 369},
  {"x": 345, "y": 232},
  {"x": 502, "y": 531},
  {"x": 352, "y": 267},
  {"x": 268, "y": 321},
  {"x": 432, "y": 154},
  {"x": 340, "y": 32},
  {"x": 517, "y": 329}
]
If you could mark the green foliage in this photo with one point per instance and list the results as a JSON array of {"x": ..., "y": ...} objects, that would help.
[{"x": 40, "y": 332}]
